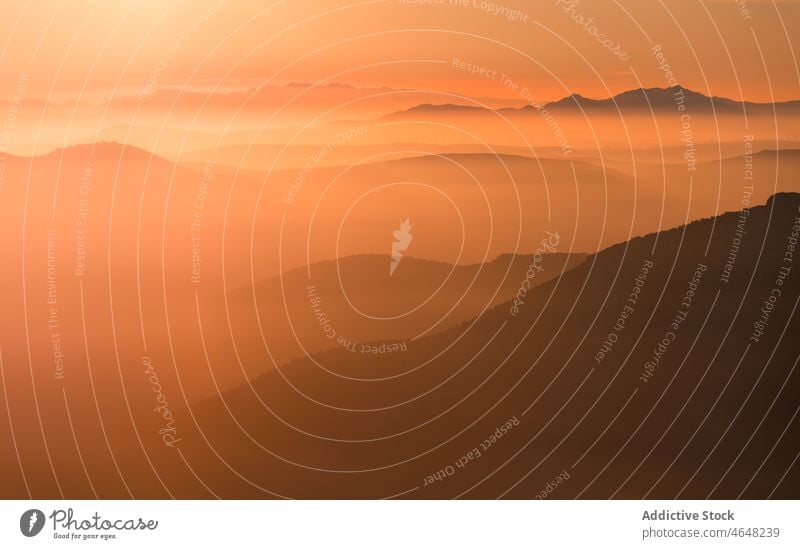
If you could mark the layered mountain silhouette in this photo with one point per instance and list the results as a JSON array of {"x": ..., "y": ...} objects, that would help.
[
  {"x": 354, "y": 301},
  {"x": 655, "y": 100},
  {"x": 365, "y": 250},
  {"x": 712, "y": 419},
  {"x": 644, "y": 118},
  {"x": 693, "y": 397}
]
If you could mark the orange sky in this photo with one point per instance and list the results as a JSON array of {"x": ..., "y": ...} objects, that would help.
[{"x": 89, "y": 49}]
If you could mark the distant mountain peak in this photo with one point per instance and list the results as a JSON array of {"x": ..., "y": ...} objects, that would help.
[{"x": 638, "y": 99}]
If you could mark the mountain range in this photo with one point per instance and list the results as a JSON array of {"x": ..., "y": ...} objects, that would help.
[
  {"x": 692, "y": 397},
  {"x": 637, "y": 101}
]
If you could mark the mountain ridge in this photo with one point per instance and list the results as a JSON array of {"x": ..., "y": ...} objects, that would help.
[{"x": 638, "y": 98}]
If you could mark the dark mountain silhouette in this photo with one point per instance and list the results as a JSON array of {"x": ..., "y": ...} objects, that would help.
[
  {"x": 501, "y": 406},
  {"x": 715, "y": 418},
  {"x": 668, "y": 99},
  {"x": 717, "y": 412},
  {"x": 657, "y": 100}
]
